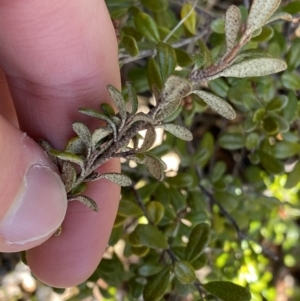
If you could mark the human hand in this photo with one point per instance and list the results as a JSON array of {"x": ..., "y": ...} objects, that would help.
[{"x": 57, "y": 56}]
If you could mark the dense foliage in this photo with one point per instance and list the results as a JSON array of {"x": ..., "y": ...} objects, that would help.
[{"x": 225, "y": 220}]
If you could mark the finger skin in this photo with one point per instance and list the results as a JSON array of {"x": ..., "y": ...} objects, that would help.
[{"x": 59, "y": 56}]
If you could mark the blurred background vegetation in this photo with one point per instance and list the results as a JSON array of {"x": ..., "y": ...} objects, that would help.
[{"x": 239, "y": 177}]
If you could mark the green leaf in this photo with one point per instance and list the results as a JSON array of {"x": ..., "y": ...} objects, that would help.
[
  {"x": 205, "y": 53},
  {"x": 168, "y": 110},
  {"x": 128, "y": 208},
  {"x": 228, "y": 291},
  {"x": 149, "y": 269},
  {"x": 293, "y": 177},
  {"x": 198, "y": 240},
  {"x": 218, "y": 171},
  {"x": 217, "y": 103},
  {"x": 260, "y": 12},
  {"x": 184, "y": 272},
  {"x": 292, "y": 7},
  {"x": 290, "y": 110},
  {"x": 140, "y": 251},
  {"x": 252, "y": 141},
  {"x": 150, "y": 236},
  {"x": 80, "y": 188},
  {"x": 85, "y": 200},
  {"x": 156, "y": 6},
  {"x": 270, "y": 125},
  {"x": 65, "y": 156},
  {"x": 285, "y": 149},
  {"x": 233, "y": 21},
  {"x": 146, "y": 26},
  {"x": 265, "y": 35},
  {"x": 155, "y": 211},
  {"x": 183, "y": 58},
  {"x": 178, "y": 131},
  {"x": 292, "y": 57},
  {"x": 107, "y": 109},
  {"x": 218, "y": 25},
  {"x": 232, "y": 141},
  {"x": 291, "y": 80},
  {"x": 153, "y": 74},
  {"x": 254, "y": 67},
  {"x": 270, "y": 164},
  {"x": 277, "y": 103},
  {"x": 157, "y": 285},
  {"x": 189, "y": 16},
  {"x": 130, "y": 45},
  {"x": 117, "y": 178},
  {"x": 166, "y": 58}
]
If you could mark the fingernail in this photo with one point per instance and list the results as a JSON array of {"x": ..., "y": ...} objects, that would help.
[{"x": 39, "y": 208}]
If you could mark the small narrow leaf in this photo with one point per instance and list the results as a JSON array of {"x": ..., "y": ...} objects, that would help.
[
  {"x": 85, "y": 200},
  {"x": 153, "y": 74},
  {"x": 178, "y": 131},
  {"x": 251, "y": 54},
  {"x": 270, "y": 164},
  {"x": 175, "y": 88},
  {"x": 129, "y": 208},
  {"x": 119, "y": 102},
  {"x": 133, "y": 97},
  {"x": 233, "y": 21},
  {"x": 157, "y": 285},
  {"x": 68, "y": 175},
  {"x": 146, "y": 26},
  {"x": 184, "y": 272},
  {"x": 280, "y": 16},
  {"x": 149, "y": 139},
  {"x": 198, "y": 240},
  {"x": 217, "y": 103},
  {"x": 228, "y": 291},
  {"x": 96, "y": 114},
  {"x": 68, "y": 157},
  {"x": 107, "y": 109},
  {"x": 75, "y": 146},
  {"x": 83, "y": 133},
  {"x": 117, "y": 178},
  {"x": 98, "y": 135},
  {"x": 141, "y": 117},
  {"x": 47, "y": 147},
  {"x": 130, "y": 45},
  {"x": 260, "y": 12},
  {"x": 254, "y": 67},
  {"x": 168, "y": 109},
  {"x": 232, "y": 141},
  {"x": 154, "y": 166},
  {"x": 189, "y": 16}
]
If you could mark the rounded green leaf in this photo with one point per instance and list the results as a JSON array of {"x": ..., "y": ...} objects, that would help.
[
  {"x": 157, "y": 285},
  {"x": 198, "y": 240},
  {"x": 292, "y": 57},
  {"x": 140, "y": 251},
  {"x": 291, "y": 80},
  {"x": 252, "y": 141},
  {"x": 150, "y": 236},
  {"x": 146, "y": 26},
  {"x": 265, "y": 35},
  {"x": 155, "y": 211},
  {"x": 128, "y": 208},
  {"x": 156, "y": 6},
  {"x": 189, "y": 16},
  {"x": 218, "y": 25},
  {"x": 184, "y": 272},
  {"x": 270, "y": 164},
  {"x": 130, "y": 45},
  {"x": 228, "y": 291},
  {"x": 232, "y": 141},
  {"x": 270, "y": 125},
  {"x": 166, "y": 58},
  {"x": 285, "y": 149}
]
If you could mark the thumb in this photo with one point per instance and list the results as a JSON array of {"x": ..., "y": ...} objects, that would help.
[{"x": 33, "y": 200}]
